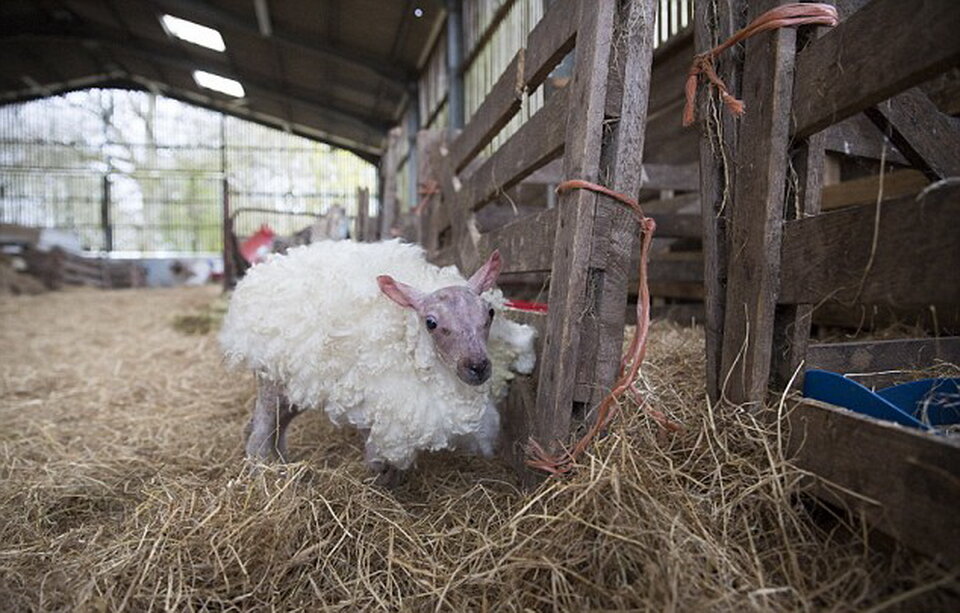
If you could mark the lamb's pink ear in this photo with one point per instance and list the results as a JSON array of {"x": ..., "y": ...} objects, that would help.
[
  {"x": 486, "y": 277},
  {"x": 401, "y": 293}
]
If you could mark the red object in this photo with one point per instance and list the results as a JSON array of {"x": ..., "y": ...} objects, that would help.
[
  {"x": 256, "y": 248},
  {"x": 526, "y": 305}
]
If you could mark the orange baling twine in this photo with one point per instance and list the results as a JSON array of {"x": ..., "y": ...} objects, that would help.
[
  {"x": 796, "y": 14},
  {"x": 428, "y": 189},
  {"x": 629, "y": 365}
]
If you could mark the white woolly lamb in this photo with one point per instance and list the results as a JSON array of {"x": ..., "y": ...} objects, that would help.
[{"x": 328, "y": 326}]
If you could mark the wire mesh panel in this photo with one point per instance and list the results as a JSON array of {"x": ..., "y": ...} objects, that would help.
[
  {"x": 135, "y": 172},
  {"x": 297, "y": 177}
]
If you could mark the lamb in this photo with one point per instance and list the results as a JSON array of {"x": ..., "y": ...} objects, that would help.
[{"x": 380, "y": 339}]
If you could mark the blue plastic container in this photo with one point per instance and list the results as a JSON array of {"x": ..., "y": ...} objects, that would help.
[{"x": 926, "y": 404}]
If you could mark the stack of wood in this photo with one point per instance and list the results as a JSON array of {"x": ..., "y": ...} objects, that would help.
[{"x": 57, "y": 268}]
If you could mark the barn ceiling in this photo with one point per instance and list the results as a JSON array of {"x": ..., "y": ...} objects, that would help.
[{"x": 337, "y": 70}]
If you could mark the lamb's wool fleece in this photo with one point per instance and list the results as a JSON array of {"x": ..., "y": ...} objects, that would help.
[{"x": 315, "y": 321}]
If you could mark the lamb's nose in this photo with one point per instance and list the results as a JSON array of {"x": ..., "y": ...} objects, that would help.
[
  {"x": 480, "y": 368},
  {"x": 474, "y": 372}
]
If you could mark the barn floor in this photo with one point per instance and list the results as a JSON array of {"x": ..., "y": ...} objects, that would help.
[{"x": 122, "y": 488}]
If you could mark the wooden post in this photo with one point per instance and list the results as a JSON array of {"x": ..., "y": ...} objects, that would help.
[
  {"x": 430, "y": 163},
  {"x": 571, "y": 276},
  {"x": 714, "y": 22},
  {"x": 755, "y": 219},
  {"x": 615, "y": 230},
  {"x": 105, "y": 222},
  {"x": 791, "y": 330},
  {"x": 363, "y": 210},
  {"x": 455, "y": 115},
  {"x": 388, "y": 199}
]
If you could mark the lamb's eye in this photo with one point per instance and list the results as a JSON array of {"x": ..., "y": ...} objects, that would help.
[
  {"x": 431, "y": 323},
  {"x": 491, "y": 313}
]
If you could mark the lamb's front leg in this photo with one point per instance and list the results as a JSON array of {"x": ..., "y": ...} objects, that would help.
[
  {"x": 387, "y": 475},
  {"x": 272, "y": 413}
]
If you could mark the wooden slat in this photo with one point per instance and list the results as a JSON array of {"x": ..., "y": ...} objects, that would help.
[
  {"x": 537, "y": 142},
  {"x": 896, "y": 184},
  {"x": 388, "y": 173},
  {"x": 552, "y": 38},
  {"x": 855, "y": 66},
  {"x": 714, "y": 22},
  {"x": 934, "y": 318},
  {"x": 575, "y": 224},
  {"x": 667, "y": 142},
  {"x": 904, "y": 480},
  {"x": 874, "y": 363},
  {"x": 792, "y": 322},
  {"x": 925, "y": 136},
  {"x": 915, "y": 261},
  {"x": 526, "y": 245},
  {"x": 432, "y": 218},
  {"x": 683, "y": 177},
  {"x": 668, "y": 267},
  {"x": 679, "y": 225},
  {"x": 499, "y": 106},
  {"x": 362, "y": 211},
  {"x": 857, "y": 136},
  {"x": 615, "y": 232},
  {"x": 756, "y": 214}
]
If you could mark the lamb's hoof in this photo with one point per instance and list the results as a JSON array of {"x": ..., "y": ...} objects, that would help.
[{"x": 389, "y": 477}]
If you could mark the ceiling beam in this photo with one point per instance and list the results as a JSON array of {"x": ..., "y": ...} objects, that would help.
[
  {"x": 211, "y": 15},
  {"x": 257, "y": 86}
]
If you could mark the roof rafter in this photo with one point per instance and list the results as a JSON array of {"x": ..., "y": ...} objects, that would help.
[
  {"x": 258, "y": 86},
  {"x": 214, "y": 16}
]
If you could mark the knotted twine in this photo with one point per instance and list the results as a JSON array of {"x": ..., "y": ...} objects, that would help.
[{"x": 795, "y": 14}]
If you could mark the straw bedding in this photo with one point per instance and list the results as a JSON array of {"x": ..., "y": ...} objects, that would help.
[{"x": 122, "y": 488}]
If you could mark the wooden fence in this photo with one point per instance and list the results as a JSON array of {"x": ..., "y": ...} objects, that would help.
[{"x": 772, "y": 254}]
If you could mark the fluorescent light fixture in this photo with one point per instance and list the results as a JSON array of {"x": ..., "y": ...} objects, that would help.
[
  {"x": 193, "y": 33},
  {"x": 218, "y": 83}
]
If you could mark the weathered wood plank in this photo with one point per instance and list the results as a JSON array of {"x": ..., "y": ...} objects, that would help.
[
  {"x": 852, "y": 68},
  {"x": 792, "y": 322},
  {"x": 713, "y": 23},
  {"x": 874, "y": 363},
  {"x": 519, "y": 408},
  {"x": 551, "y": 39},
  {"x": 430, "y": 165},
  {"x": 388, "y": 172},
  {"x": 616, "y": 231},
  {"x": 865, "y": 190},
  {"x": 905, "y": 481},
  {"x": 362, "y": 214},
  {"x": 499, "y": 106},
  {"x": 667, "y": 142},
  {"x": 858, "y": 136},
  {"x": 682, "y": 177},
  {"x": 925, "y": 136},
  {"x": 914, "y": 261},
  {"x": 526, "y": 245},
  {"x": 934, "y": 318},
  {"x": 679, "y": 225},
  {"x": 575, "y": 236},
  {"x": 537, "y": 142},
  {"x": 668, "y": 268},
  {"x": 755, "y": 216}
]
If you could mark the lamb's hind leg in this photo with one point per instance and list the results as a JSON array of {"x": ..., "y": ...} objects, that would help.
[{"x": 272, "y": 413}]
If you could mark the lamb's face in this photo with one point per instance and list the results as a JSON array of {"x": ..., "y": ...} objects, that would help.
[{"x": 457, "y": 319}]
